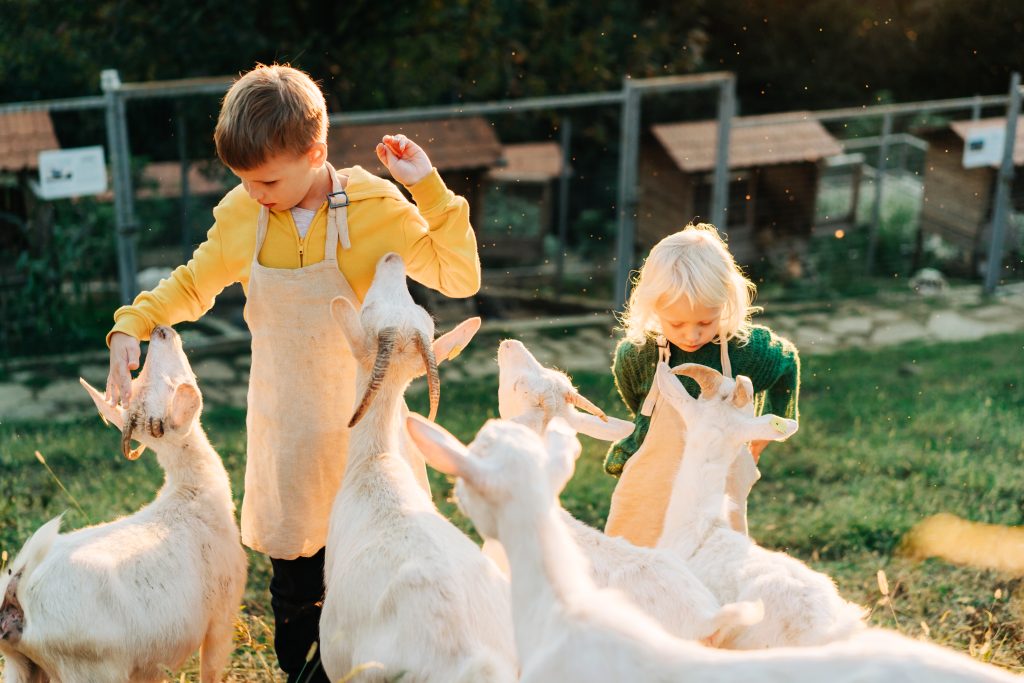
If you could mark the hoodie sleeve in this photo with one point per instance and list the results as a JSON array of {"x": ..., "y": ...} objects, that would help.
[{"x": 440, "y": 245}]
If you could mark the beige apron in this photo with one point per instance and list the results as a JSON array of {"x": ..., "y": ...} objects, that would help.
[
  {"x": 301, "y": 395},
  {"x": 642, "y": 493}
]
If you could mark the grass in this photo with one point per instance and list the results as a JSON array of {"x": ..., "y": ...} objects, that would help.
[{"x": 887, "y": 438}]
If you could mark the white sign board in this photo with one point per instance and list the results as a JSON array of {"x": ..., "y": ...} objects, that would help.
[
  {"x": 72, "y": 172},
  {"x": 984, "y": 146}
]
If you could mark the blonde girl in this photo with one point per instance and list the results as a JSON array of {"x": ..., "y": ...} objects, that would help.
[{"x": 691, "y": 303}]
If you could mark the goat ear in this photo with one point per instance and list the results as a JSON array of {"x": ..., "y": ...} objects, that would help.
[
  {"x": 109, "y": 412},
  {"x": 768, "y": 428},
  {"x": 441, "y": 450},
  {"x": 562, "y": 448},
  {"x": 671, "y": 388},
  {"x": 450, "y": 344},
  {"x": 744, "y": 391},
  {"x": 593, "y": 426},
  {"x": 186, "y": 403},
  {"x": 347, "y": 318}
]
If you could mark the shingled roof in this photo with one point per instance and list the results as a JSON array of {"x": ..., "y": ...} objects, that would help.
[
  {"x": 23, "y": 135},
  {"x": 762, "y": 141},
  {"x": 964, "y": 128},
  {"x": 529, "y": 161},
  {"x": 451, "y": 144}
]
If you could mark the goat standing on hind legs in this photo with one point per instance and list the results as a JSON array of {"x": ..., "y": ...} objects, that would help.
[
  {"x": 405, "y": 587},
  {"x": 126, "y": 600}
]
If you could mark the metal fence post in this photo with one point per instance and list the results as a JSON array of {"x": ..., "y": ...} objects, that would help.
[
  {"x": 629, "y": 152},
  {"x": 565, "y": 139},
  {"x": 876, "y": 211},
  {"x": 120, "y": 170},
  {"x": 720, "y": 188},
  {"x": 1004, "y": 187}
]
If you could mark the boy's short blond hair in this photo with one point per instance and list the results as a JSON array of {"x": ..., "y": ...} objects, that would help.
[
  {"x": 695, "y": 264},
  {"x": 268, "y": 111}
]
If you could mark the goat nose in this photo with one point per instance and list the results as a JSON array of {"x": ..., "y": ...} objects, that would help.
[{"x": 161, "y": 332}]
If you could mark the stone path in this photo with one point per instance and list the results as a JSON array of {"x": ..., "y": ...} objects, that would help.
[{"x": 49, "y": 389}]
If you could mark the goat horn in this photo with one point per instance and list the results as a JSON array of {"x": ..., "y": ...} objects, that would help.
[
  {"x": 385, "y": 345},
  {"x": 433, "y": 380},
  {"x": 126, "y": 439},
  {"x": 577, "y": 399},
  {"x": 708, "y": 378}
]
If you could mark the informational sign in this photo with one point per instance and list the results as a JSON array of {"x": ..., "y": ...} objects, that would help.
[
  {"x": 984, "y": 146},
  {"x": 72, "y": 172}
]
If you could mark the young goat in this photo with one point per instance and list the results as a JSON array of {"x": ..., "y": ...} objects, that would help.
[
  {"x": 568, "y": 630},
  {"x": 404, "y": 586},
  {"x": 126, "y": 600},
  {"x": 657, "y": 581},
  {"x": 802, "y": 606}
]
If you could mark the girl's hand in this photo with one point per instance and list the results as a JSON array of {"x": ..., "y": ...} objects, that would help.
[
  {"x": 404, "y": 159},
  {"x": 756, "y": 447}
]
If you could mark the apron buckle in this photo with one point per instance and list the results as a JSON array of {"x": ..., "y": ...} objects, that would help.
[{"x": 339, "y": 204}]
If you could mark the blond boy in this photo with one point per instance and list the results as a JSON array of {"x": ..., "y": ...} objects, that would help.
[{"x": 296, "y": 234}]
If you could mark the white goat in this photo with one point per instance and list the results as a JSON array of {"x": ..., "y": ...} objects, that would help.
[
  {"x": 126, "y": 600},
  {"x": 568, "y": 630},
  {"x": 404, "y": 586},
  {"x": 657, "y": 581},
  {"x": 802, "y": 606}
]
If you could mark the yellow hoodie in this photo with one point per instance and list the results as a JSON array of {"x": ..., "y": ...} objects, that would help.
[{"x": 434, "y": 238}]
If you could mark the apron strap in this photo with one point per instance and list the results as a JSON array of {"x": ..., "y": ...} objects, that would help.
[
  {"x": 652, "y": 395},
  {"x": 663, "y": 355},
  {"x": 726, "y": 365},
  {"x": 337, "y": 217},
  {"x": 261, "y": 232}
]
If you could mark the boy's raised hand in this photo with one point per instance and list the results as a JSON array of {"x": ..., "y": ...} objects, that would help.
[
  {"x": 404, "y": 159},
  {"x": 124, "y": 357}
]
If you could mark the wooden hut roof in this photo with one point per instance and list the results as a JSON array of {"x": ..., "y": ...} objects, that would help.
[
  {"x": 23, "y": 135},
  {"x": 530, "y": 161},
  {"x": 770, "y": 140},
  {"x": 964, "y": 128},
  {"x": 452, "y": 144}
]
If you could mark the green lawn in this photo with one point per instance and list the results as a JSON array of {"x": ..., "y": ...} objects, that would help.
[{"x": 887, "y": 437}]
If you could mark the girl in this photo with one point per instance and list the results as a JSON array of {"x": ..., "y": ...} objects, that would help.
[{"x": 691, "y": 304}]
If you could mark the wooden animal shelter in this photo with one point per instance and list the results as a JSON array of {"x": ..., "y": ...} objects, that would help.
[
  {"x": 463, "y": 150},
  {"x": 23, "y": 135},
  {"x": 774, "y": 167},
  {"x": 959, "y": 202},
  {"x": 520, "y": 201}
]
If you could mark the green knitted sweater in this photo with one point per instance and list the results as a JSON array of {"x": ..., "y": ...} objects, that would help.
[{"x": 771, "y": 362}]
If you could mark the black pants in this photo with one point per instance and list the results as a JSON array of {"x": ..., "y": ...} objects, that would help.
[{"x": 296, "y": 594}]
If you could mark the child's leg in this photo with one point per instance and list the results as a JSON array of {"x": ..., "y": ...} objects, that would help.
[{"x": 296, "y": 593}]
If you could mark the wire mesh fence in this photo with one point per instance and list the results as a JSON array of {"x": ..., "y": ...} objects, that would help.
[{"x": 567, "y": 194}]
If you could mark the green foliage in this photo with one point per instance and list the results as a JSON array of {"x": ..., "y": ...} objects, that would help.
[{"x": 47, "y": 298}]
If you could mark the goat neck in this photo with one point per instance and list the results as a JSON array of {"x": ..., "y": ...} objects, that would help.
[
  {"x": 378, "y": 430},
  {"x": 697, "y": 502},
  {"x": 547, "y": 569},
  {"x": 193, "y": 465}
]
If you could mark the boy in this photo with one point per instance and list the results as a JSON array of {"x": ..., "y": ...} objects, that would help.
[{"x": 296, "y": 234}]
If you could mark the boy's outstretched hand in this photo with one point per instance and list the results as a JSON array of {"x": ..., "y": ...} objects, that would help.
[
  {"x": 124, "y": 357},
  {"x": 406, "y": 160}
]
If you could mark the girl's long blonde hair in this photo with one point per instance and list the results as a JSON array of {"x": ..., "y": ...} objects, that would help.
[{"x": 694, "y": 263}]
